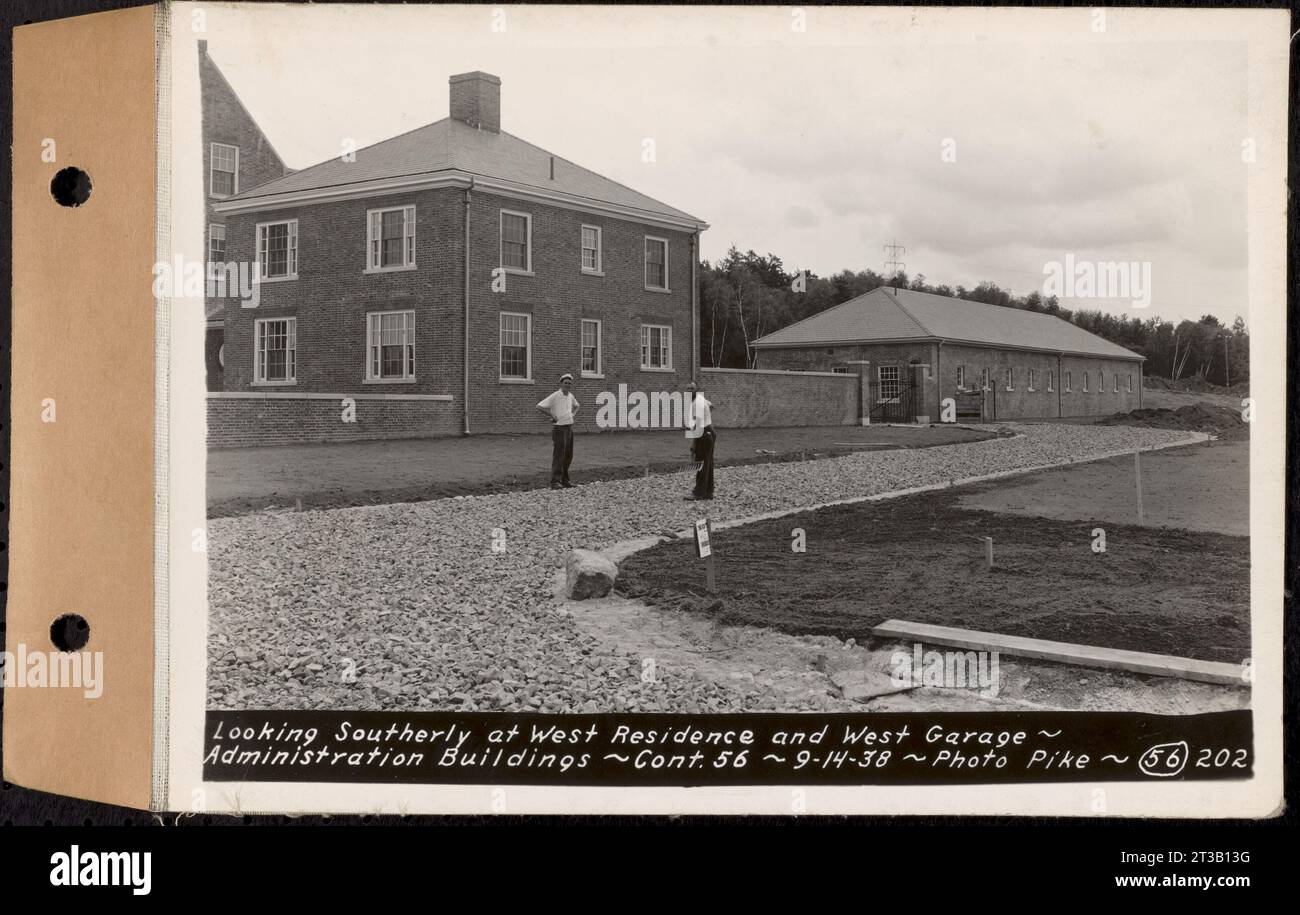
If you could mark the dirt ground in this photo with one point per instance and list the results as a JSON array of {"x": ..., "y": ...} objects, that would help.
[
  {"x": 920, "y": 558},
  {"x": 1198, "y": 488},
  {"x": 240, "y": 481}
]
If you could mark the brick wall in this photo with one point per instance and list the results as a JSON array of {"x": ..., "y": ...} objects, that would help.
[
  {"x": 332, "y": 295},
  {"x": 225, "y": 120},
  {"x": 238, "y": 420},
  {"x": 743, "y": 397},
  {"x": 1018, "y": 403}
]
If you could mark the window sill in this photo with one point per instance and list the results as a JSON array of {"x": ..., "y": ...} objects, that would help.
[
  {"x": 515, "y": 271},
  {"x": 660, "y": 289},
  {"x": 516, "y": 381},
  {"x": 586, "y": 272},
  {"x": 388, "y": 381},
  {"x": 274, "y": 384},
  {"x": 651, "y": 368},
  {"x": 275, "y": 279},
  {"x": 595, "y": 375},
  {"x": 403, "y": 269}
]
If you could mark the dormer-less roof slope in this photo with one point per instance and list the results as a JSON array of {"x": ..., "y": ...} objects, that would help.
[
  {"x": 450, "y": 152},
  {"x": 888, "y": 315}
]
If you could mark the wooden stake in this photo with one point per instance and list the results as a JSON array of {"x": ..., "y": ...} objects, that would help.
[
  {"x": 988, "y": 553},
  {"x": 1137, "y": 475}
]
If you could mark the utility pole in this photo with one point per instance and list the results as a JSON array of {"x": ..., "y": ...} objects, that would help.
[{"x": 893, "y": 266}]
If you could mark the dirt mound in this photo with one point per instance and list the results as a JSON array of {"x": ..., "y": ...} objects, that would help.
[{"x": 1221, "y": 422}]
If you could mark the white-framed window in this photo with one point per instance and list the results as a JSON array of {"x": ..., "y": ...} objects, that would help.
[
  {"x": 889, "y": 386},
  {"x": 516, "y": 242},
  {"x": 277, "y": 249},
  {"x": 516, "y": 346},
  {"x": 390, "y": 346},
  {"x": 591, "y": 252},
  {"x": 985, "y": 381},
  {"x": 591, "y": 355},
  {"x": 1101, "y": 382},
  {"x": 216, "y": 243},
  {"x": 390, "y": 239},
  {"x": 1085, "y": 382},
  {"x": 1031, "y": 380},
  {"x": 223, "y": 173},
  {"x": 656, "y": 263},
  {"x": 1130, "y": 382},
  {"x": 1068, "y": 380},
  {"x": 1009, "y": 376},
  {"x": 961, "y": 377},
  {"x": 1117, "y": 382},
  {"x": 275, "y": 351},
  {"x": 1051, "y": 379},
  {"x": 656, "y": 347}
]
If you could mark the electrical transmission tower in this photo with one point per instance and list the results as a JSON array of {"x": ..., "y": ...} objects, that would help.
[{"x": 893, "y": 266}]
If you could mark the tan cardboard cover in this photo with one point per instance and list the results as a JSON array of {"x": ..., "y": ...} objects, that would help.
[{"x": 82, "y": 521}]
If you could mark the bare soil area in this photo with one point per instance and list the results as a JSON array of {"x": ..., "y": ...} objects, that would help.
[{"x": 921, "y": 558}]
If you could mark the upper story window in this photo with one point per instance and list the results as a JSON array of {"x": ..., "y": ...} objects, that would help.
[
  {"x": 390, "y": 239},
  {"x": 390, "y": 340},
  {"x": 216, "y": 243},
  {"x": 223, "y": 179},
  {"x": 516, "y": 242},
  {"x": 277, "y": 249},
  {"x": 656, "y": 263},
  {"x": 656, "y": 347},
  {"x": 591, "y": 254},
  {"x": 276, "y": 351}
]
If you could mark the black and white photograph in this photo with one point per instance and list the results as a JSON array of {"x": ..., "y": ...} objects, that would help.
[{"x": 713, "y": 410}]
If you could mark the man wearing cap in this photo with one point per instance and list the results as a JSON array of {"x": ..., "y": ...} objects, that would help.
[
  {"x": 560, "y": 407},
  {"x": 699, "y": 432}
]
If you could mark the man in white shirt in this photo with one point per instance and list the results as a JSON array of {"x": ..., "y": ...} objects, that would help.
[
  {"x": 560, "y": 407},
  {"x": 699, "y": 432}
]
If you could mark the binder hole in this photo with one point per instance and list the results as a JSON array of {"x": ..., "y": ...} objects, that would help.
[
  {"x": 70, "y": 632},
  {"x": 70, "y": 187}
]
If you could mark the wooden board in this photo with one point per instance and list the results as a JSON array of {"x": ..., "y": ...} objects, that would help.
[{"x": 1140, "y": 662}]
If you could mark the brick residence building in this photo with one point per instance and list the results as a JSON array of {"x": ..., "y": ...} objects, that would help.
[
  {"x": 236, "y": 155},
  {"x": 439, "y": 282},
  {"x": 913, "y": 349}
]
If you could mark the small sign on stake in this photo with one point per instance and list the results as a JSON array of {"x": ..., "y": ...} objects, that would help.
[{"x": 704, "y": 550}]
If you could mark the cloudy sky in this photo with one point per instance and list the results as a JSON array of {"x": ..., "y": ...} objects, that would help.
[{"x": 825, "y": 144}]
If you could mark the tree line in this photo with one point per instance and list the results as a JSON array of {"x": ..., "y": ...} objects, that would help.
[{"x": 745, "y": 296}]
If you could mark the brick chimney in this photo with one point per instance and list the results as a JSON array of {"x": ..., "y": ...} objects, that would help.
[{"x": 476, "y": 100}]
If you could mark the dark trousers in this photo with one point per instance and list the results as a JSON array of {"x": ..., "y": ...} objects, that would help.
[
  {"x": 702, "y": 453},
  {"x": 561, "y": 453}
]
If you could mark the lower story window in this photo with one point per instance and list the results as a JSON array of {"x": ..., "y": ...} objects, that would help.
[
  {"x": 840, "y": 369},
  {"x": 889, "y": 382},
  {"x": 516, "y": 343},
  {"x": 1051, "y": 380},
  {"x": 1010, "y": 377},
  {"x": 590, "y": 347},
  {"x": 1031, "y": 379},
  {"x": 390, "y": 340},
  {"x": 656, "y": 346},
  {"x": 1130, "y": 382},
  {"x": 276, "y": 350}
]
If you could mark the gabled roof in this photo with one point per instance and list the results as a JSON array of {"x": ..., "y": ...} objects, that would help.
[
  {"x": 451, "y": 149},
  {"x": 887, "y": 315}
]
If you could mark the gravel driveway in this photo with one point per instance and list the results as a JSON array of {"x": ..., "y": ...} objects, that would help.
[{"x": 410, "y": 606}]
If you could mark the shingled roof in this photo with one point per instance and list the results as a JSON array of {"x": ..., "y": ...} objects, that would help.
[
  {"x": 887, "y": 315},
  {"x": 450, "y": 148}
]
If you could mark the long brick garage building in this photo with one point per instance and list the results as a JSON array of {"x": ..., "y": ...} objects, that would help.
[
  {"x": 439, "y": 282},
  {"x": 912, "y": 350}
]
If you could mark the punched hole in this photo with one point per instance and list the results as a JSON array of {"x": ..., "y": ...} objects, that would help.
[
  {"x": 70, "y": 632},
  {"x": 70, "y": 187}
]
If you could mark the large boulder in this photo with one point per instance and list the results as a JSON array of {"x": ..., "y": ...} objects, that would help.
[{"x": 588, "y": 574}]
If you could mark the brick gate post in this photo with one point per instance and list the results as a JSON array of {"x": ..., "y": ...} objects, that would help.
[{"x": 864, "y": 390}]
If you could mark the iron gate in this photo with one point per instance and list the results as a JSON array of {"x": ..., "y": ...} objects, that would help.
[{"x": 900, "y": 408}]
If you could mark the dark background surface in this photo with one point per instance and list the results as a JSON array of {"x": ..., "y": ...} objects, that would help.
[{"x": 1030, "y": 854}]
